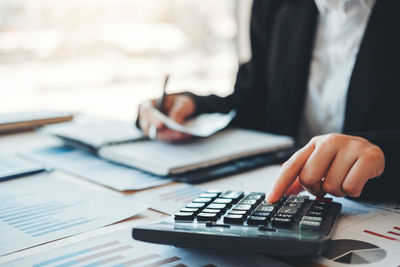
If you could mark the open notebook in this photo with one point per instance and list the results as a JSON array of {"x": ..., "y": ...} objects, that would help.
[
  {"x": 120, "y": 142},
  {"x": 94, "y": 133},
  {"x": 163, "y": 158}
]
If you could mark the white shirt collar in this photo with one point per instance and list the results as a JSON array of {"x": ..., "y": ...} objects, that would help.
[{"x": 342, "y": 5}]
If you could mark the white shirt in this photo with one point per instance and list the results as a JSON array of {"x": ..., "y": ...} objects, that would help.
[{"x": 340, "y": 29}]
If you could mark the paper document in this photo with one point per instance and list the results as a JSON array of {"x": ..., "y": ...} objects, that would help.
[
  {"x": 365, "y": 235},
  {"x": 169, "y": 199},
  {"x": 119, "y": 249},
  {"x": 42, "y": 208},
  {"x": 201, "y": 126},
  {"x": 95, "y": 132},
  {"x": 90, "y": 167},
  {"x": 163, "y": 158},
  {"x": 11, "y": 166}
]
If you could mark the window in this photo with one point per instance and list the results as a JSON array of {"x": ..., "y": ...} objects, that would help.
[{"x": 104, "y": 57}]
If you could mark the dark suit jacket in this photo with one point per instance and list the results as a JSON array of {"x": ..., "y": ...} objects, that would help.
[{"x": 270, "y": 88}]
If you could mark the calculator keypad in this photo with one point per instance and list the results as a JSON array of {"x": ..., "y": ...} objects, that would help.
[{"x": 237, "y": 208}]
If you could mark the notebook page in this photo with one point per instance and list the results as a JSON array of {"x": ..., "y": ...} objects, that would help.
[
  {"x": 164, "y": 158},
  {"x": 95, "y": 132}
]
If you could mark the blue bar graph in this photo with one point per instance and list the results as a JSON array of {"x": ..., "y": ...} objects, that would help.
[
  {"x": 36, "y": 220},
  {"x": 42, "y": 208}
]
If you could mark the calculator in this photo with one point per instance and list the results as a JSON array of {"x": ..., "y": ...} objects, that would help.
[{"x": 232, "y": 220}]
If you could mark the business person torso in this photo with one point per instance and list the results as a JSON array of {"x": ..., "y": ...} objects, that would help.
[
  {"x": 341, "y": 26},
  {"x": 271, "y": 89}
]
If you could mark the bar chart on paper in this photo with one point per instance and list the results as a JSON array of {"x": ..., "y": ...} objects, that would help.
[
  {"x": 42, "y": 208},
  {"x": 119, "y": 249}
]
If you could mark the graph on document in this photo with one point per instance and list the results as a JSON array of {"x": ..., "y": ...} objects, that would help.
[
  {"x": 42, "y": 208},
  {"x": 380, "y": 225},
  {"x": 40, "y": 218},
  {"x": 118, "y": 249},
  {"x": 182, "y": 195}
]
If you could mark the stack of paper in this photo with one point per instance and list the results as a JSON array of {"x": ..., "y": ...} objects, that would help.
[
  {"x": 119, "y": 249},
  {"x": 42, "y": 208}
]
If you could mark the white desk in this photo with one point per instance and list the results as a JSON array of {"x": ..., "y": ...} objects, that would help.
[{"x": 257, "y": 180}]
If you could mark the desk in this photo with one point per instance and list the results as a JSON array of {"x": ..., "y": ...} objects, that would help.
[{"x": 256, "y": 180}]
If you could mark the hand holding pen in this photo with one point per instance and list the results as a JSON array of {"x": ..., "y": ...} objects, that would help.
[{"x": 177, "y": 106}]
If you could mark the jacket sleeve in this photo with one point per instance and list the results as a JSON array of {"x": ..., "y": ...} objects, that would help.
[
  {"x": 249, "y": 89},
  {"x": 386, "y": 186}
]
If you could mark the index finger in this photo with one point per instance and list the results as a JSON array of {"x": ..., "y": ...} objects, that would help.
[{"x": 289, "y": 172}]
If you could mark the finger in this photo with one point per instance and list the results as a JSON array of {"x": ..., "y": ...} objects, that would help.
[
  {"x": 289, "y": 172},
  {"x": 168, "y": 135},
  {"x": 316, "y": 167},
  {"x": 295, "y": 188},
  {"x": 147, "y": 118},
  {"x": 337, "y": 172},
  {"x": 169, "y": 101},
  {"x": 358, "y": 175},
  {"x": 179, "y": 111}
]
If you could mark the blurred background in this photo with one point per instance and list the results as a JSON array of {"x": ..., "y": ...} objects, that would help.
[{"x": 104, "y": 57}]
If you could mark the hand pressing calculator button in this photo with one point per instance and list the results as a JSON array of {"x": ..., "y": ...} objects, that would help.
[{"x": 233, "y": 220}]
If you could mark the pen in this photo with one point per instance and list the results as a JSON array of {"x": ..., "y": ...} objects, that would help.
[{"x": 161, "y": 102}]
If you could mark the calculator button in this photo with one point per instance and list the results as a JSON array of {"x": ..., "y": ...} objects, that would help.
[
  {"x": 285, "y": 222},
  {"x": 219, "y": 212},
  {"x": 214, "y": 191},
  {"x": 310, "y": 225},
  {"x": 184, "y": 216},
  {"x": 288, "y": 210},
  {"x": 284, "y": 215},
  {"x": 195, "y": 205},
  {"x": 237, "y": 212},
  {"x": 257, "y": 220},
  {"x": 234, "y": 195},
  {"x": 190, "y": 210},
  {"x": 315, "y": 213},
  {"x": 251, "y": 202},
  {"x": 242, "y": 207},
  {"x": 255, "y": 196},
  {"x": 231, "y": 218},
  {"x": 312, "y": 219},
  {"x": 209, "y": 195},
  {"x": 203, "y": 216},
  {"x": 263, "y": 214},
  {"x": 296, "y": 199},
  {"x": 217, "y": 206},
  {"x": 265, "y": 208},
  {"x": 226, "y": 201},
  {"x": 202, "y": 200},
  {"x": 292, "y": 205},
  {"x": 317, "y": 208},
  {"x": 325, "y": 205}
]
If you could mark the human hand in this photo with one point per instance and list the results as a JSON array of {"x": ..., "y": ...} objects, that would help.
[
  {"x": 337, "y": 164},
  {"x": 178, "y": 107}
]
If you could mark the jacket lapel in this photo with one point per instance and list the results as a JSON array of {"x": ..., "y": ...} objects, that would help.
[
  {"x": 289, "y": 63},
  {"x": 376, "y": 58}
]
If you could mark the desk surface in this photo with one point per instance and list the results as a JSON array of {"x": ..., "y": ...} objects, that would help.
[{"x": 257, "y": 180}]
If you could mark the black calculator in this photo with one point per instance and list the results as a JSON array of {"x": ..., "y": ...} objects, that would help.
[{"x": 233, "y": 220}]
